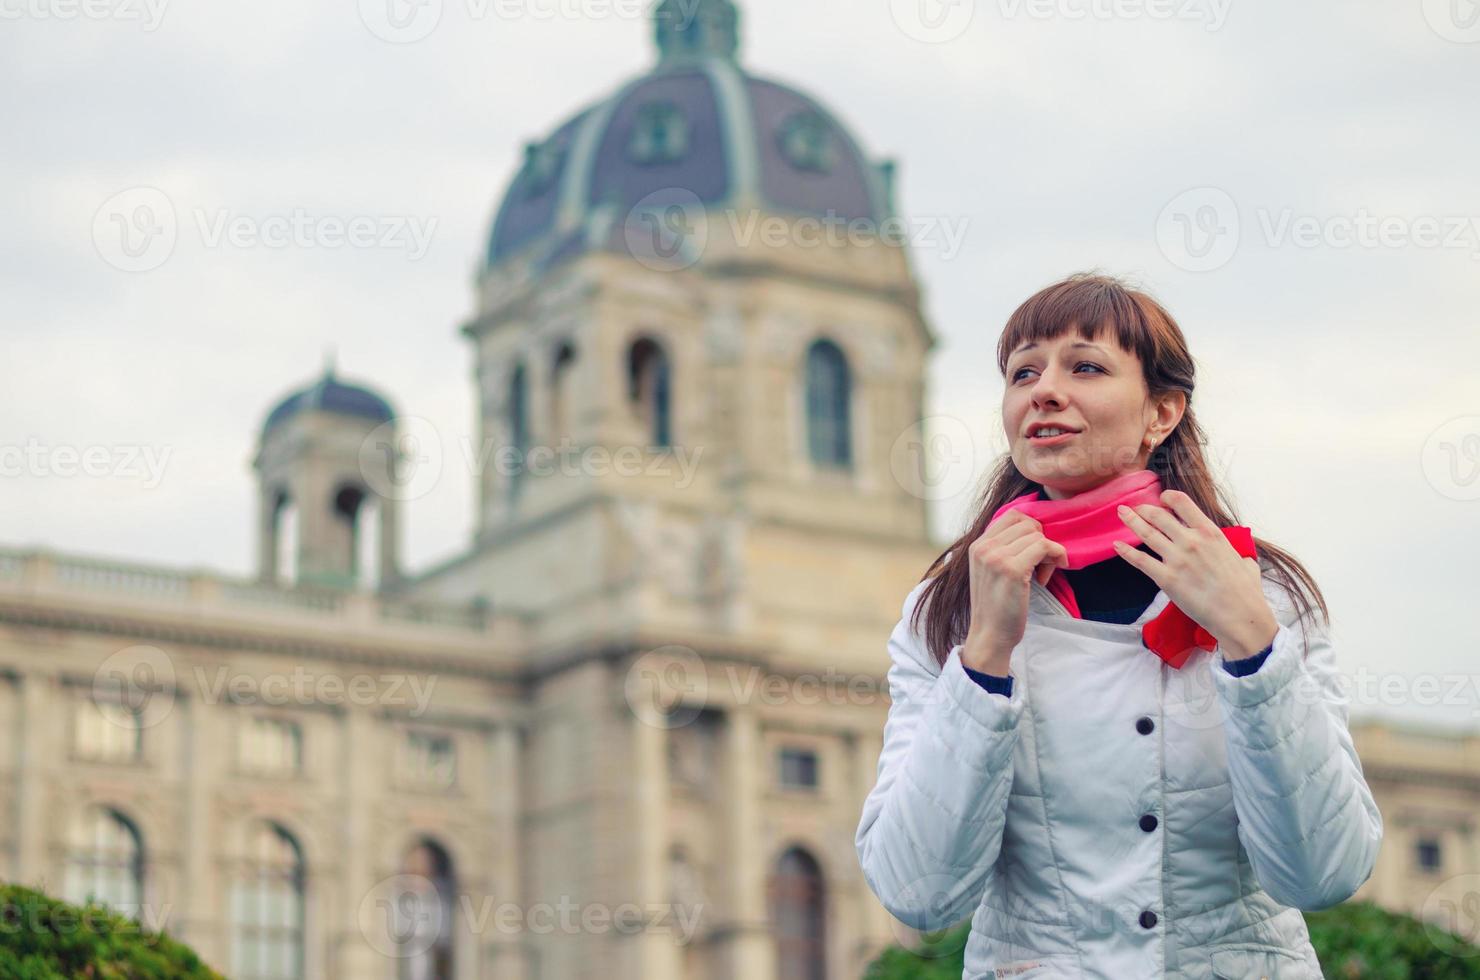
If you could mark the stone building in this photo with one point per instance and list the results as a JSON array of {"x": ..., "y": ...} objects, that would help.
[{"x": 628, "y": 733}]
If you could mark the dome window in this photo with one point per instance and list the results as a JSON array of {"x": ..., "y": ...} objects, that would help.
[
  {"x": 660, "y": 134},
  {"x": 807, "y": 142},
  {"x": 518, "y": 427},
  {"x": 648, "y": 381},
  {"x": 541, "y": 166},
  {"x": 829, "y": 397}
]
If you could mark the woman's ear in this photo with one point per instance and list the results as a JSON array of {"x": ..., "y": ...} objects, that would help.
[{"x": 1170, "y": 408}]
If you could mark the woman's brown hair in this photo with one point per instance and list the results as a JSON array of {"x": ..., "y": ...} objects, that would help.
[{"x": 1089, "y": 303}]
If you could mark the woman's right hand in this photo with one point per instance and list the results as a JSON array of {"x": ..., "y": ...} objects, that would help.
[{"x": 1002, "y": 563}]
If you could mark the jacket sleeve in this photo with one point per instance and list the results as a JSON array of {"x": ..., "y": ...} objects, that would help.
[
  {"x": 1306, "y": 816},
  {"x": 932, "y": 824}
]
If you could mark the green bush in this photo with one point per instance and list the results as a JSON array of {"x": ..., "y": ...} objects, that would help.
[
  {"x": 938, "y": 956},
  {"x": 1354, "y": 941},
  {"x": 1361, "y": 941},
  {"x": 45, "y": 939}
]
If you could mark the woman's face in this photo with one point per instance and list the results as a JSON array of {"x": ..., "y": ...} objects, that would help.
[{"x": 1094, "y": 388}]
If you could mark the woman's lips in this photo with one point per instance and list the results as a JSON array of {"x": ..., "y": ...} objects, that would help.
[{"x": 1051, "y": 440}]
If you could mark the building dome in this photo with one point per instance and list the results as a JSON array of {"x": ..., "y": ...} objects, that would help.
[
  {"x": 329, "y": 394},
  {"x": 696, "y": 129}
]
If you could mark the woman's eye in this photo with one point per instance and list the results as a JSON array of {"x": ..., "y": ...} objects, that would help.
[{"x": 1019, "y": 372}]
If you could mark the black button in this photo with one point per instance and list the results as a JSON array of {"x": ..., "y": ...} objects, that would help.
[
  {"x": 1148, "y": 822},
  {"x": 1145, "y": 725},
  {"x": 1148, "y": 919}
]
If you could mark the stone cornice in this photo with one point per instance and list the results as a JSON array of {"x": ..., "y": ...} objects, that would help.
[
  {"x": 221, "y": 636},
  {"x": 1408, "y": 775}
]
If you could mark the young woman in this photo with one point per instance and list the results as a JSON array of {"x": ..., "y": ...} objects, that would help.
[{"x": 1116, "y": 738}]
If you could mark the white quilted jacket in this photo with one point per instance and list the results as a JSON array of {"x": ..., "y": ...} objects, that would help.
[{"x": 1117, "y": 818}]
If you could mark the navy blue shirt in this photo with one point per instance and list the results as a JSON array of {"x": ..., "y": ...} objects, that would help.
[{"x": 1114, "y": 591}]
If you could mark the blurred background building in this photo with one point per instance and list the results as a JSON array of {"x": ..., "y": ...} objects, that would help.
[{"x": 653, "y": 685}]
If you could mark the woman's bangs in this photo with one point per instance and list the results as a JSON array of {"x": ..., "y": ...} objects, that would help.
[{"x": 1088, "y": 306}]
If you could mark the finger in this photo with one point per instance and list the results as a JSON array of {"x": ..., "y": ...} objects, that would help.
[
  {"x": 1033, "y": 554},
  {"x": 1049, "y": 565},
  {"x": 1141, "y": 561},
  {"x": 1013, "y": 520},
  {"x": 1056, "y": 556},
  {"x": 1005, "y": 534},
  {"x": 1136, "y": 519},
  {"x": 1186, "y": 508},
  {"x": 1165, "y": 521},
  {"x": 1020, "y": 548}
]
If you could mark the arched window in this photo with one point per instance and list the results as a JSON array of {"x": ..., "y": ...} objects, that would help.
[
  {"x": 829, "y": 439},
  {"x": 560, "y": 394},
  {"x": 798, "y": 915},
  {"x": 518, "y": 424},
  {"x": 807, "y": 141},
  {"x": 359, "y": 510},
  {"x": 105, "y": 861},
  {"x": 267, "y": 907},
  {"x": 285, "y": 538},
  {"x": 660, "y": 134},
  {"x": 648, "y": 389},
  {"x": 425, "y": 931}
]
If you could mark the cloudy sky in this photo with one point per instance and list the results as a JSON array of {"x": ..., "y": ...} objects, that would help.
[{"x": 1297, "y": 182}]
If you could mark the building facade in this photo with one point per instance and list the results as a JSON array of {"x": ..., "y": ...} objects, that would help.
[{"x": 628, "y": 733}]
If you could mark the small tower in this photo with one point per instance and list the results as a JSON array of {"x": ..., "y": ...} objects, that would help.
[
  {"x": 326, "y": 466},
  {"x": 685, "y": 28}
]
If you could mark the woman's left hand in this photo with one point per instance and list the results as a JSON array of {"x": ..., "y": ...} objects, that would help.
[{"x": 1201, "y": 573}]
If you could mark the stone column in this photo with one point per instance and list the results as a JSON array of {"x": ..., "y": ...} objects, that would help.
[
  {"x": 389, "y": 558},
  {"x": 658, "y": 954},
  {"x": 201, "y": 891},
  {"x": 30, "y": 831},
  {"x": 361, "y": 870},
  {"x": 537, "y": 360},
  {"x": 267, "y": 554},
  {"x": 503, "y": 951},
  {"x": 749, "y": 951}
]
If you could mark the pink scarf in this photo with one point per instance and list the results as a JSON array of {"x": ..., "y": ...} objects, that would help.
[{"x": 1087, "y": 525}]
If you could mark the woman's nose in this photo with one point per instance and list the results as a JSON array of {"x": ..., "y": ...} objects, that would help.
[{"x": 1046, "y": 389}]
